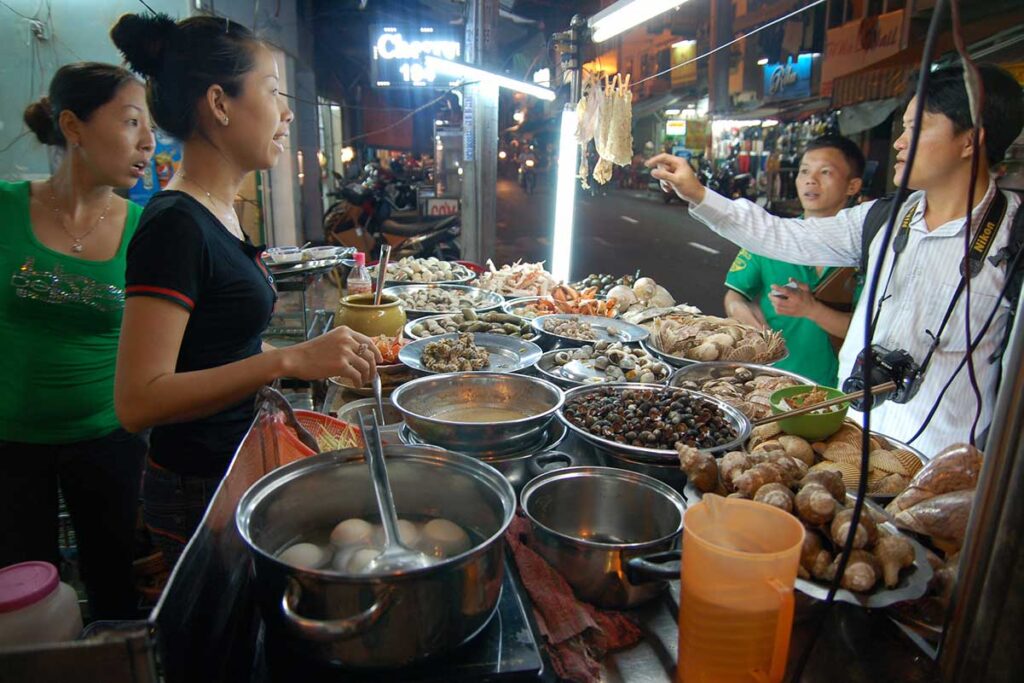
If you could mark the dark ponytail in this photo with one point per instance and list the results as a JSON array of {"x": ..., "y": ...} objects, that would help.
[
  {"x": 180, "y": 62},
  {"x": 80, "y": 88}
]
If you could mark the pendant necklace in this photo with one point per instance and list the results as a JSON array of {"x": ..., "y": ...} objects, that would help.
[
  {"x": 224, "y": 217},
  {"x": 76, "y": 241}
]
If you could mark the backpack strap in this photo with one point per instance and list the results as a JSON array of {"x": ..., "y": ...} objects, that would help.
[
  {"x": 1006, "y": 256},
  {"x": 877, "y": 216}
]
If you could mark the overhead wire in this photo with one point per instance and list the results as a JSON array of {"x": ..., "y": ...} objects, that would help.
[
  {"x": 732, "y": 42},
  {"x": 868, "y": 360}
]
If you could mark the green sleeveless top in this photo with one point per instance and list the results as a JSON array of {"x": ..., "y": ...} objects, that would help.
[{"x": 60, "y": 319}]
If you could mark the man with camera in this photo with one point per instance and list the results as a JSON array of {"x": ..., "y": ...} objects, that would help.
[{"x": 919, "y": 337}]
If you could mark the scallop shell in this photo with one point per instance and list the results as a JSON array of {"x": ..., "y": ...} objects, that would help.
[
  {"x": 887, "y": 462},
  {"x": 849, "y": 472},
  {"x": 911, "y": 463},
  {"x": 842, "y": 452}
]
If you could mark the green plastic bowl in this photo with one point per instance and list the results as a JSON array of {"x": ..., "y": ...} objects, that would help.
[{"x": 811, "y": 427}]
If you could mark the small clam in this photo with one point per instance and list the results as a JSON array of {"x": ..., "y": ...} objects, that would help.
[
  {"x": 616, "y": 356},
  {"x": 561, "y": 358},
  {"x": 662, "y": 370},
  {"x": 638, "y": 352},
  {"x": 627, "y": 363},
  {"x": 601, "y": 362},
  {"x": 647, "y": 377},
  {"x": 602, "y": 345},
  {"x": 744, "y": 374},
  {"x": 586, "y": 352},
  {"x": 614, "y": 372},
  {"x": 689, "y": 384}
]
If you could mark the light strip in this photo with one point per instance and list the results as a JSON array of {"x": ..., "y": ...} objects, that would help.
[
  {"x": 470, "y": 73},
  {"x": 626, "y": 14},
  {"x": 565, "y": 197}
]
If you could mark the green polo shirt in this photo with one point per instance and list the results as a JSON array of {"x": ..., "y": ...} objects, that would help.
[{"x": 810, "y": 351}]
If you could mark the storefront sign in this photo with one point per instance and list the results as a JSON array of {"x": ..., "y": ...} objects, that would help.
[
  {"x": 442, "y": 207},
  {"x": 788, "y": 81},
  {"x": 675, "y": 127},
  {"x": 682, "y": 52},
  {"x": 857, "y": 44},
  {"x": 696, "y": 133},
  {"x": 398, "y": 52}
]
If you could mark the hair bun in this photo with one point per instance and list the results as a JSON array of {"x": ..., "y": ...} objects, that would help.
[
  {"x": 39, "y": 118},
  {"x": 143, "y": 40}
]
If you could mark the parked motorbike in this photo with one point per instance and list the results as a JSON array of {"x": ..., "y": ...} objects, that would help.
[
  {"x": 728, "y": 182},
  {"x": 365, "y": 218}
]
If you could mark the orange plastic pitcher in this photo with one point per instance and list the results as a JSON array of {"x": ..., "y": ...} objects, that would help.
[{"x": 736, "y": 598}]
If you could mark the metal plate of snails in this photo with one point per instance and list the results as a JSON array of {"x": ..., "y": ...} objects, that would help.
[{"x": 602, "y": 361}]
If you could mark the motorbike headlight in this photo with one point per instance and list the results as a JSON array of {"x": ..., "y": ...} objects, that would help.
[{"x": 529, "y": 163}]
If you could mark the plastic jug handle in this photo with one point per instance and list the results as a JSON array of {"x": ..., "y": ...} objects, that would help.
[{"x": 780, "y": 652}]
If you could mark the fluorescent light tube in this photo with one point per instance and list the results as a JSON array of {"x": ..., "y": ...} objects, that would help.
[
  {"x": 626, "y": 14},
  {"x": 565, "y": 197},
  {"x": 470, "y": 73}
]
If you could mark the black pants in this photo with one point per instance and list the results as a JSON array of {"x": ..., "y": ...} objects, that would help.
[{"x": 100, "y": 480}]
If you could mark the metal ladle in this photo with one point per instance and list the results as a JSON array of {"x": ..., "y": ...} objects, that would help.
[{"x": 395, "y": 557}]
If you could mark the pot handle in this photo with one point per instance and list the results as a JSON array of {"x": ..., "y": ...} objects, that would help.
[
  {"x": 542, "y": 462},
  {"x": 650, "y": 567},
  {"x": 334, "y": 629}
]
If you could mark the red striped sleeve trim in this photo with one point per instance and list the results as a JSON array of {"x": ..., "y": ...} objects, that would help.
[{"x": 164, "y": 292}]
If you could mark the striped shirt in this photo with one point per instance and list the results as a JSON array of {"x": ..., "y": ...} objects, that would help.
[{"x": 922, "y": 287}]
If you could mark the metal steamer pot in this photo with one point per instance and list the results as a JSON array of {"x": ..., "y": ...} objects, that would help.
[
  {"x": 612, "y": 534},
  {"x": 377, "y": 621}
]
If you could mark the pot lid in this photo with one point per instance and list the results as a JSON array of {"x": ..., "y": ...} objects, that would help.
[{"x": 25, "y": 584}]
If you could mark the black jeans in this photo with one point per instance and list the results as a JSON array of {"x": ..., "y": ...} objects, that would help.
[
  {"x": 172, "y": 507},
  {"x": 100, "y": 481}
]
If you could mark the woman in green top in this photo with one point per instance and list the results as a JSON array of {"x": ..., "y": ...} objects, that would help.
[{"x": 62, "y": 271}]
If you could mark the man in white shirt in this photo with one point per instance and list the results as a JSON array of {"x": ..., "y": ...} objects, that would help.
[{"x": 926, "y": 275}]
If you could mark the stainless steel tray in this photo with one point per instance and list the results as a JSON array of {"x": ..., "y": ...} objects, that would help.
[
  {"x": 546, "y": 368},
  {"x": 408, "y": 330},
  {"x": 682, "y": 361},
  {"x": 466, "y": 276},
  {"x": 483, "y": 300},
  {"x": 605, "y": 329},
  {"x": 737, "y": 419},
  {"x": 508, "y": 354}
]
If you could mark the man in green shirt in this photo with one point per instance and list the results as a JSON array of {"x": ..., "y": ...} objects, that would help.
[{"x": 767, "y": 293}]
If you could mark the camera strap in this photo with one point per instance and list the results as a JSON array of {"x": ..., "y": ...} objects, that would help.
[{"x": 972, "y": 264}]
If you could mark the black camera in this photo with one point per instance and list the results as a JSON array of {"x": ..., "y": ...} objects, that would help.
[{"x": 886, "y": 366}]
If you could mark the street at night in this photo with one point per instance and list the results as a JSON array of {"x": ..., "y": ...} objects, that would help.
[{"x": 616, "y": 231}]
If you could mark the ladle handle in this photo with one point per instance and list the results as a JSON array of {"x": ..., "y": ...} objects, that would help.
[
  {"x": 382, "y": 271},
  {"x": 374, "y": 451}
]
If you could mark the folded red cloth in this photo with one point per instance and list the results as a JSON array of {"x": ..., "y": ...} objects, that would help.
[{"x": 576, "y": 635}]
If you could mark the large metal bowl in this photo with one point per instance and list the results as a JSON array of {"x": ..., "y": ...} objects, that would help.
[
  {"x": 682, "y": 361},
  {"x": 376, "y": 621},
  {"x": 421, "y": 400},
  {"x": 483, "y": 300},
  {"x": 699, "y": 373},
  {"x": 737, "y": 420}
]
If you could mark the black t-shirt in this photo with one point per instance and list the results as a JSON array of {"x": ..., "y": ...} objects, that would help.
[{"x": 182, "y": 253}]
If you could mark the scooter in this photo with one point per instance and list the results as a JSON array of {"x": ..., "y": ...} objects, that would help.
[
  {"x": 528, "y": 176},
  {"x": 361, "y": 218}
]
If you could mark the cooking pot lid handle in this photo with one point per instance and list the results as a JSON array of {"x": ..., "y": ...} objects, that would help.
[{"x": 334, "y": 629}]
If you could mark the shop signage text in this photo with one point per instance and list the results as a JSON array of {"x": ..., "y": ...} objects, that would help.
[
  {"x": 442, "y": 207},
  {"x": 398, "y": 53},
  {"x": 788, "y": 81},
  {"x": 857, "y": 44}
]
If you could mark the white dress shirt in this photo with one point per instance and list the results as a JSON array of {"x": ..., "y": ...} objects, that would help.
[{"x": 923, "y": 283}]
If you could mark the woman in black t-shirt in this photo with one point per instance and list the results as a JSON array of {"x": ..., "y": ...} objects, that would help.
[{"x": 198, "y": 296}]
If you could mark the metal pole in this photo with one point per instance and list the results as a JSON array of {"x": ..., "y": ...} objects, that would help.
[
  {"x": 480, "y": 136},
  {"x": 982, "y": 641},
  {"x": 721, "y": 33}
]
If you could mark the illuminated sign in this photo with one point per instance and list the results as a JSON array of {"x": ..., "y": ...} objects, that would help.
[
  {"x": 788, "y": 81},
  {"x": 398, "y": 53},
  {"x": 675, "y": 127}
]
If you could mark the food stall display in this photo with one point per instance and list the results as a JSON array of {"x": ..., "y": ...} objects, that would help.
[
  {"x": 412, "y": 270},
  {"x": 491, "y": 322},
  {"x": 683, "y": 338},
  {"x": 517, "y": 279}
]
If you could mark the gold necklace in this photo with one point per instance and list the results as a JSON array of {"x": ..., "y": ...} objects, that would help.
[
  {"x": 76, "y": 241},
  {"x": 224, "y": 217}
]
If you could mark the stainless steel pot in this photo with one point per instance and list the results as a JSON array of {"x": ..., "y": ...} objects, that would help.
[
  {"x": 521, "y": 468},
  {"x": 421, "y": 400},
  {"x": 596, "y": 526},
  {"x": 377, "y": 621},
  {"x": 667, "y": 473}
]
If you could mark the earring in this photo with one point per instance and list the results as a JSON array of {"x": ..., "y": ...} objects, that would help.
[{"x": 224, "y": 121}]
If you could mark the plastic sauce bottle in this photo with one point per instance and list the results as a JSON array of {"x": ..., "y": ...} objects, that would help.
[
  {"x": 35, "y": 607},
  {"x": 359, "y": 281}
]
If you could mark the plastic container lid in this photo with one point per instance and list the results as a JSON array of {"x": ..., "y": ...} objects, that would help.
[
  {"x": 25, "y": 584},
  {"x": 360, "y": 258}
]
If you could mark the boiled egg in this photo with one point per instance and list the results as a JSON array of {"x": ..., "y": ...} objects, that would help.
[
  {"x": 443, "y": 538},
  {"x": 361, "y": 559},
  {"x": 352, "y": 532},
  {"x": 408, "y": 531},
  {"x": 303, "y": 555}
]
